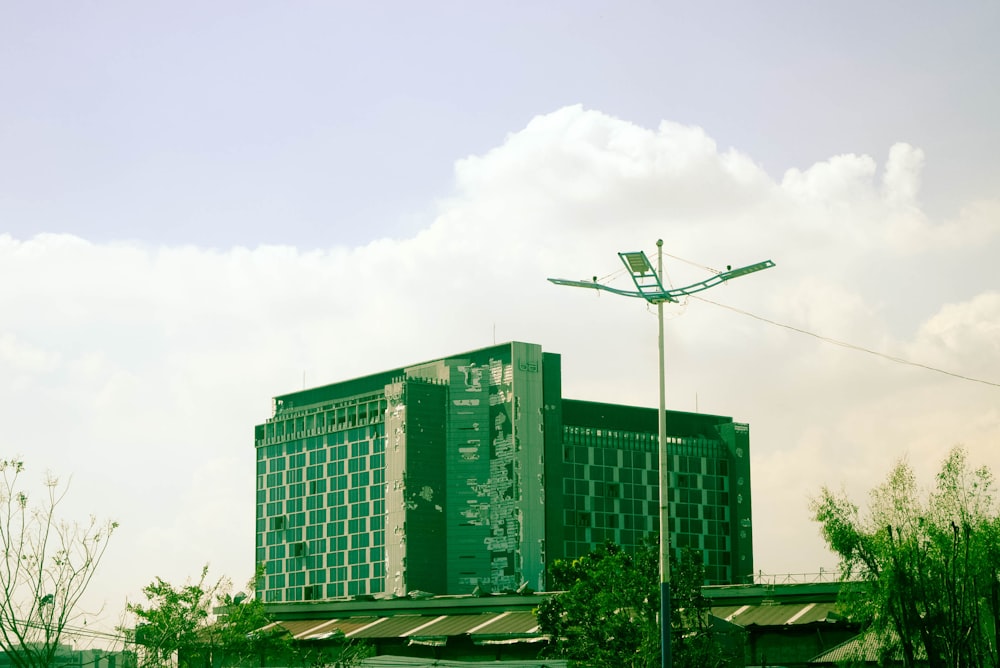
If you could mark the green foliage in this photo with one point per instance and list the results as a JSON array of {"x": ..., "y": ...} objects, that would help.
[
  {"x": 695, "y": 642},
  {"x": 170, "y": 622},
  {"x": 608, "y": 613},
  {"x": 178, "y": 626},
  {"x": 931, "y": 565}
]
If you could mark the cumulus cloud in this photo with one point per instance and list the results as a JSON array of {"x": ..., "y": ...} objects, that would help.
[
  {"x": 967, "y": 331},
  {"x": 142, "y": 370}
]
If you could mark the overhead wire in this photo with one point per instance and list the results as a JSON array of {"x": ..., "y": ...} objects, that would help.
[
  {"x": 694, "y": 264},
  {"x": 827, "y": 339},
  {"x": 81, "y": 631},
  {"x": 851, "y": 346}
]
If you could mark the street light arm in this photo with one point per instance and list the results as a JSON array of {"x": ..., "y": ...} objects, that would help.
[
  {"x": 717, "y": 279},
  {"x": 657, "y": 296},
  {"x": 596, "y": 286}
]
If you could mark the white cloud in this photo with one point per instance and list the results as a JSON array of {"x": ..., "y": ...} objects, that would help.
[
  {"x": 901, "y": 181},
  {"x": 976, "y": 224},
  {"x": 142, "y": 370},
  {"x": 25, "y": 358},
  {"x": 968, "y": 332}
]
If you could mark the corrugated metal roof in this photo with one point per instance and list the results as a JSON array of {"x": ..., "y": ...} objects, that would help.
[
  {"x": 513, "y": 623},
  {"x": 323, "y": 627},
  {"x": 299, "y": 627},
  {"x": 867, "y": 647},
  {"x": 393, "y": 627},
  {"x": 364, "y": 630},
  {"x": 454, "y": 625},
  {"x": 727, "y": 612},
  {"x": 856, "y": 649},
  {"x": 777, "y": 614},
  {"x": 388, "y": 661},
  {"x": 315, "y": 628}
]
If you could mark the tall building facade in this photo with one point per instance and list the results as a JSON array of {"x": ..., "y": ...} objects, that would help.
[{"x": 472, "y": 472}]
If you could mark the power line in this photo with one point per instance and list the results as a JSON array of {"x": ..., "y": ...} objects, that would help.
[
  {"x": 844, "y": 344},
  {"x": 74, "y": 631}
]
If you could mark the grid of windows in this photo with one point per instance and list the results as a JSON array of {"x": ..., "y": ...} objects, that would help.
[
  {"x": 321, "y": 493},
  {"x": 611, "y": 493}
]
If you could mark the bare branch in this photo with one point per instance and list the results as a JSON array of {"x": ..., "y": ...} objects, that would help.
[{"x": 47, "y": 566}]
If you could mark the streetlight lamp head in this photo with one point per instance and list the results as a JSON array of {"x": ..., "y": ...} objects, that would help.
[{"x": 637, "y": 262}]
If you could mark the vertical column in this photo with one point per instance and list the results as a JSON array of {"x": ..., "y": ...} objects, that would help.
[{"x": 395, "y": 489}]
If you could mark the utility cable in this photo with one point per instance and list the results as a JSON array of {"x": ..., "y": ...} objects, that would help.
[
  {"x": 844, "y": 344},
  {"x": 694, "y": 264},
  {"x": 71, "y": 630},
  {"x": 826, "y": 339}
]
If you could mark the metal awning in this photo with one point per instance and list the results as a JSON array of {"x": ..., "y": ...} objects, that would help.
[
  {"x": 775, "y": 614},
  {"x": 430, "y": 629}
]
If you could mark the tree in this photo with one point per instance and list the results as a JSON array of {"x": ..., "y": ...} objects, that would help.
[
  {"x": 169, "y": 624},
  {"x": 48, "y": 565},
  {"x": 696, "y": 643},
  {"x": 608, "y": 613},
  {"x": 179, "y": 626},
  {"x": 931, "y": 567}
]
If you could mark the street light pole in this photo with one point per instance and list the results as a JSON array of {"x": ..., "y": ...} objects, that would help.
[
  {"x": 666, "y": 658},
  {"x": 649, "y": 286}
]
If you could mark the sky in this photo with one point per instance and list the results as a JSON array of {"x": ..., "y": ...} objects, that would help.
[{"x": 204, "y": 205}]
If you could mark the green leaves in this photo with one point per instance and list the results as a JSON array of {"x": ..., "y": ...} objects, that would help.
[
  {"x": 608, "y": 614},
  {"x": 932, "y": 564},
  {"x": 178, "y": 626},
  {"x": 605, "y": 615},
  {"x": 170, "y": 622}
]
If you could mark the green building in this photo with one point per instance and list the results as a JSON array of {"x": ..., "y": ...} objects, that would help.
[{"x": 471, "y": 473}]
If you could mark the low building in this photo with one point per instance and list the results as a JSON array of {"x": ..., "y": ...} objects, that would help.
[
  {"x": 498, "y": 628},
  {"x": 785, "y": 624},
  {"x": 792, "y": 625},
  {"x": 68, "y": 657}
]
